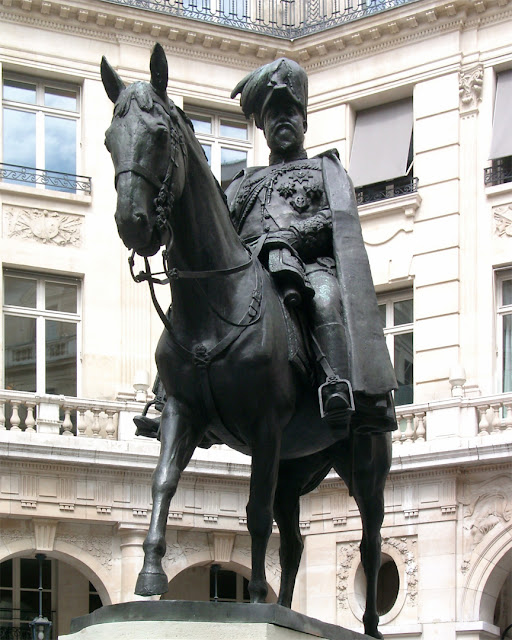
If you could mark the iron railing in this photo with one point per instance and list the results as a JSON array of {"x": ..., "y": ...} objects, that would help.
[
  {"x": 288, "y": 19},
  {"x": 15, "y": 633},
  {"x": 55, "y": 180},
  {"x": 499, "y": 173},
  {"x": 385, "y": 190}
]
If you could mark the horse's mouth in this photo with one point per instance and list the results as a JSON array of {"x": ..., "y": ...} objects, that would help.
[{"x": 149, "y": 248}]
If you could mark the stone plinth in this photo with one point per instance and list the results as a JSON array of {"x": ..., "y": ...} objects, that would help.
[{"x": 180, "y": 620}]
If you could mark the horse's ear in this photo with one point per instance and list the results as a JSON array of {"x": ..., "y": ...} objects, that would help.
[
  {"x": 111, "y": 80},
  {"x": 159, "y": 69}
]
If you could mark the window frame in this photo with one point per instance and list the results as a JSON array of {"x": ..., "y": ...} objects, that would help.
[
  {"x": 41, "y": 315},
  {"x": 41, "y": 110},
  {"x": 391, "y": 330},
  {"x": 217, "y": 141},
  {"x": 502, "y": 310}
]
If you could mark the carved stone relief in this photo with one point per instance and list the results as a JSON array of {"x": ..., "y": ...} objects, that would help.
[
  {"x": 184, "y": 545},
  {"x": 406, "y": 547},
  {"x": 42, "y": 225},
  {"x": 503, "y": 220},
  {"x": 98, "y": 546},
  {"x": 470, "y": 87},
  {"x": 486, "y": 505},
  {"x": 346, "y": 554}
]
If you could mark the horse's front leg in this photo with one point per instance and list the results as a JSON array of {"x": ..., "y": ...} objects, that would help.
[
  {"x": 180, "y": 433},
  {"x": 264, "y": 470}
]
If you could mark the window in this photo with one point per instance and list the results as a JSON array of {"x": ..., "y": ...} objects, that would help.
[
  {"x": 40, "y": 128},
  {"x": 504, "y": 333},
  {"x": 226, "y": 143},
  {"x": 41, "y": 331},
  {"x": 19, "y": 587},
  {"x": 228, "y": 586},
  {"x": 396, "y": 312},
  {"x": 501, "y": 145},
  {"x": 384, "y": 134}
]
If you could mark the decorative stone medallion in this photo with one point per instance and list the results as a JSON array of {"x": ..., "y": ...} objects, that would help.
[{"x": 42, "y": 225}]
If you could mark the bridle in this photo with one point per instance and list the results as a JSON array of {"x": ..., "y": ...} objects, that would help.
[{"x": 164, "y": 203}]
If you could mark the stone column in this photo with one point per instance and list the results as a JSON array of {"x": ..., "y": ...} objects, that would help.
[{"x": 132, "y": 556}]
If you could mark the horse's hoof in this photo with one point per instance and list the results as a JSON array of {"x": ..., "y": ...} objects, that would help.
[{"x": 151, "y": 584}]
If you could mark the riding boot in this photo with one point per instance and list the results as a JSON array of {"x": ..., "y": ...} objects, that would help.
[{"x": 335, "y": 395}]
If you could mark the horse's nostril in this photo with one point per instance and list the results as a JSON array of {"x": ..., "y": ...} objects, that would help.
[{"x": 139, "y": 217}]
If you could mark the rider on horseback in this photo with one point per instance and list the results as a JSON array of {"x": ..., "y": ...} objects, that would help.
[{"x": 300, "y": 214}]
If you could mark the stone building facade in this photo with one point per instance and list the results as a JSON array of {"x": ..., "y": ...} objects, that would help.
[{"x": 78, "y": 334}]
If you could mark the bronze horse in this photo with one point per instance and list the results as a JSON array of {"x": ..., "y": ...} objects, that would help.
[{"x": 223, "y": 356}]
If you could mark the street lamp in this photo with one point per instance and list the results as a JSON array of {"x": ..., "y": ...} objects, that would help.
[{"x": 40, "y": 626}]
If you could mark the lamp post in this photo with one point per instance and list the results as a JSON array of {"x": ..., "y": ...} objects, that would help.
[{"x": 40, "y": 626}]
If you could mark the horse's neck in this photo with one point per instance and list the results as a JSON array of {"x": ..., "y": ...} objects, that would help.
[
  {"x": 204, "y": 236},
  {"x": 204, "y": 239}
]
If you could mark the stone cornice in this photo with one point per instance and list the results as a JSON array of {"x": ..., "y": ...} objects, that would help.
[{"x": 244, "y": 49}]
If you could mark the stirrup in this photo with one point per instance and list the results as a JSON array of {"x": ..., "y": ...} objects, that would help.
[{"x": 328, "y": 383}]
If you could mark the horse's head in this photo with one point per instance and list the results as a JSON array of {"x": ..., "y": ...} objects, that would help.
[{"x": 148, "y": 152}]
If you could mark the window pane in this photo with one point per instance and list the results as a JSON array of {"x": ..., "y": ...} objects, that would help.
[
  {"x": 5, "y": 607},
  {"x": 20, "y": 353},
  {"x": 60, "y": 145},
  {"x": 20, "y": 91},
  {"x": 6, "y": 574},
  {"x": 233, "y": 8},
  {"x": 60, "y": 297},
  {"x": 233, "y": 130},
  {"x": 29, "y": 605},
  {"x": 402, "y": 312},
  {"x": 232, "y": 161},
  {"x": 61, "y": 357},
  {"x": 20, "y": 292},
  {"x": 507, "y": 292},
  {"x": 382, "y": 315},
  {"x": 29, "y": 573},
  {"x": 19, "y": 138},
  {"x": 202, "y": 124},
  {"x": 404, "y": 368},
  {"x": 208, "y": 152},
  {"x": 507, "y": 353},
  {"x": 60, "y": 99}
]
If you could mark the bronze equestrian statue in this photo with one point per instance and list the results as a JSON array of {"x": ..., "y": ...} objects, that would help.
[{"x": 269, "y": 296}]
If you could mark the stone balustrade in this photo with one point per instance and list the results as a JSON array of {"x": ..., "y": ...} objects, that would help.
[
  {"x": 412, "y": 424},
  {"x": 112, "y": 420},
  {"x": 494, "y": 414},
  {"x": 66, "y": 416}
]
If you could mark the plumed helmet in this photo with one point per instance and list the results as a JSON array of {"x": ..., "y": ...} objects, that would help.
[{"x": 281, "y": 77}]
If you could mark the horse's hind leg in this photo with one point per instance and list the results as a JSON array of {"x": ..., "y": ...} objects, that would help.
[
  {"x": 179, "y": 438},
  {"x": 372, "y": 459}
]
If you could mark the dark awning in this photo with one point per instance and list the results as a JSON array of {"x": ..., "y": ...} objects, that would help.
[
  {"x": 382, "y": 138},
  {"x": 501, "y": 145}
]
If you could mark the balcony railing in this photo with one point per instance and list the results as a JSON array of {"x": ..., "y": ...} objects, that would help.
[
  {"x": 288, "y": 19},
  {"x": 499, "y": 173},
  {"x": 55, "y": 180},
  {"x": 384, "y": 190}
]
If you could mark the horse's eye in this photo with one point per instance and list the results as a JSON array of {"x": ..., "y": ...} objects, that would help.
[{"x": 161, "y": 133}]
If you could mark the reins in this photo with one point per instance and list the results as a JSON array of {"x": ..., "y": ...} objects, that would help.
[{"x": 164, "y": 203}]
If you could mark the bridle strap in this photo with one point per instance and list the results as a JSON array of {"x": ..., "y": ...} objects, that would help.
[{"x": 139, "y": 170}]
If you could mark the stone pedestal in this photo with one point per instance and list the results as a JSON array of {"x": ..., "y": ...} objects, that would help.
[{"x": 180, "y": 620}]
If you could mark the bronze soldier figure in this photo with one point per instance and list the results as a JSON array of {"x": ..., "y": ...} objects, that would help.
[{"x": 296, "y": 213}]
